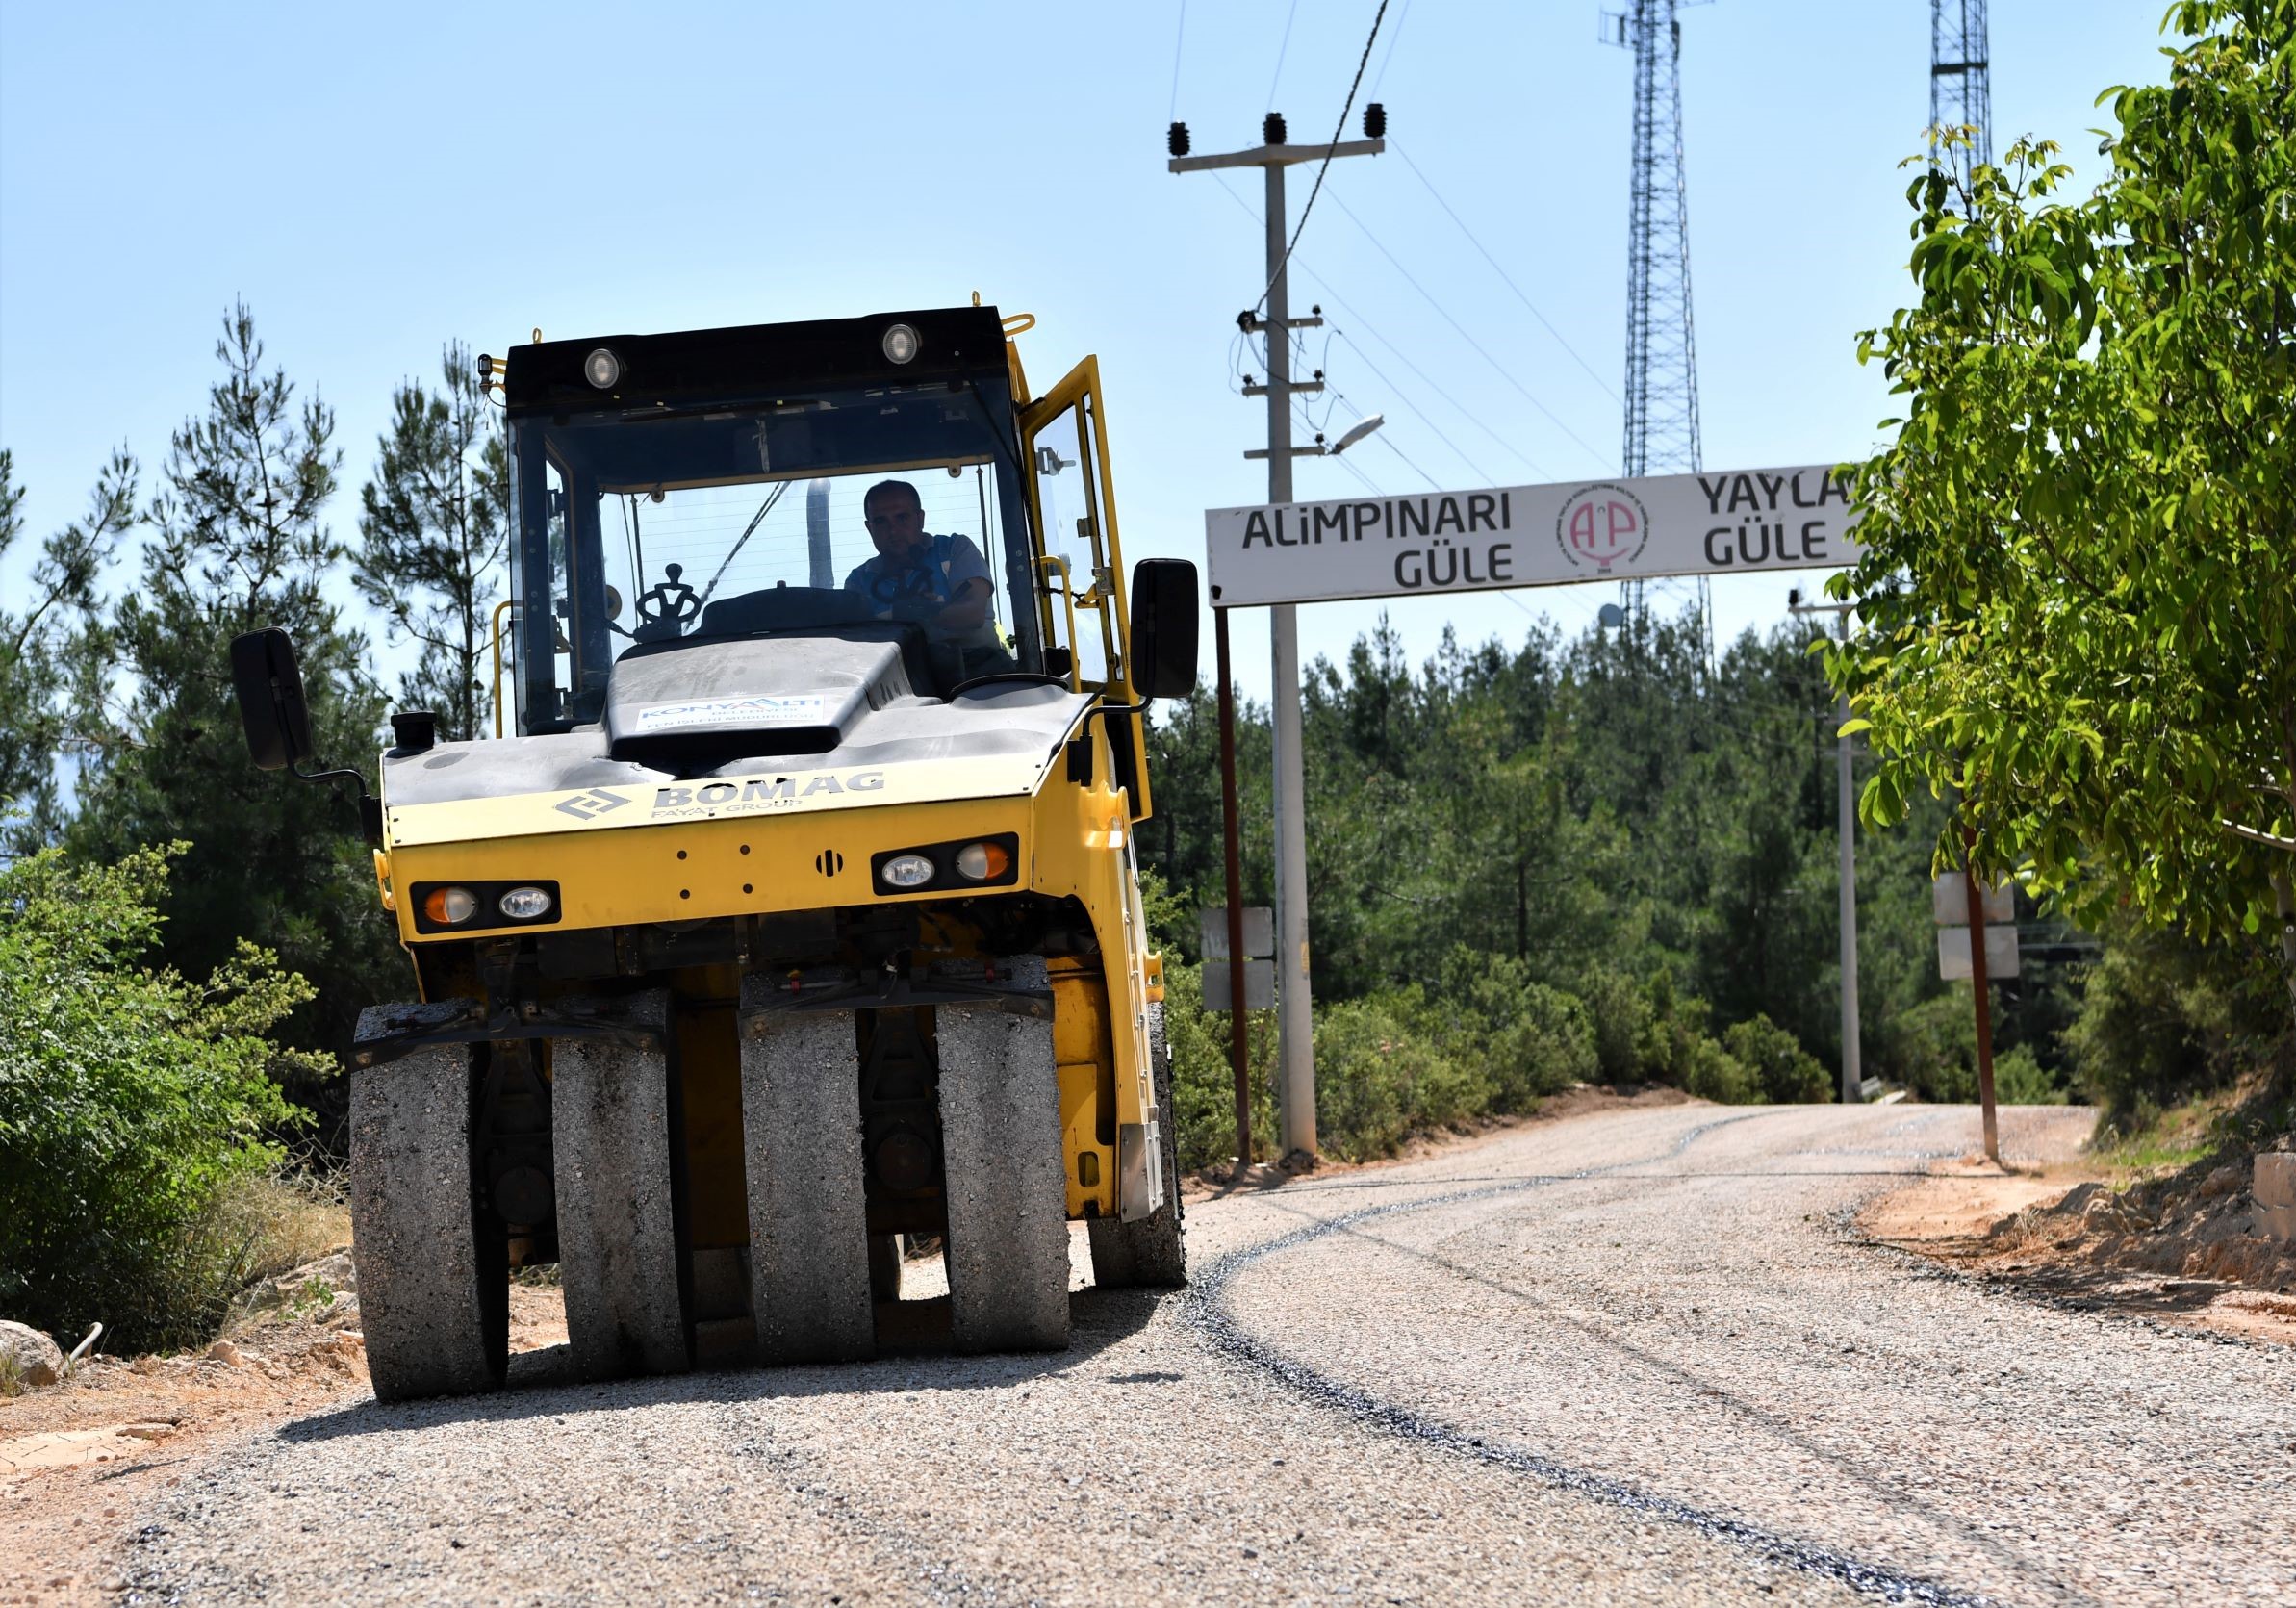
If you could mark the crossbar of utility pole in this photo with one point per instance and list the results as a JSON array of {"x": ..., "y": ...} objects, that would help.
[{"x": 1295, "y": 1046}]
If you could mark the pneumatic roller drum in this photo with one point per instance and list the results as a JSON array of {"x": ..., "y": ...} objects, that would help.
[
  {"x": 434, "y": 1274},
  {"x": 809, "y": 1243},
  {"x": 1007, "y": 1192},
  {"x": 612, "y": 1141},
  {"x": 1150, "y": 1253}
]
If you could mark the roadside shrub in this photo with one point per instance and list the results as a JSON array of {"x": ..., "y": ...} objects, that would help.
[
  {"x": 133, "y": 1106},
  {"x": 1617, "y": 1010},
  {"x": 1785, "y": 1073},
  {"x": 1202, "y": 1083},
  {"x": 1932, "y": 1048},
  {"x": 2162, "y": 1019},
  {"x": 1519, "y": 1039},
  {"x": 2019, "y": 1079},
  {"x": 1711, "y": 1072},
  {"x": 1377, "y": 1079}
]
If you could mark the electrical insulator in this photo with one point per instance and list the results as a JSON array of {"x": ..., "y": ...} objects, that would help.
[
  {"x": 1271, "y": 128},
  {"x": 1376, "y": 121},
  {"x": 1176, "y": 139}
]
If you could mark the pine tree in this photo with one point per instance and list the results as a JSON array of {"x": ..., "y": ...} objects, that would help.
[
  {"x": 432, "y": 526},
  {"x": 239, "y": 540},
  {"x": 35, "y": 659}
]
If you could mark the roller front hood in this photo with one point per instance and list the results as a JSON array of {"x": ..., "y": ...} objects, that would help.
[{"x": 995, "y": 742}]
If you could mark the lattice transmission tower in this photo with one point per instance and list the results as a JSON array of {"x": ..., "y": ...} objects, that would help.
[
  {"x": 1662, "y": 356},
  {"x": 1960, "y": 80}
]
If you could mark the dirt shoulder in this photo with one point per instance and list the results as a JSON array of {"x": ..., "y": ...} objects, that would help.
[
  {"x": 76, "y": 1458},
  {"x": 1582, "y": 1099},
  {"x": 2185, "y": 1249}
]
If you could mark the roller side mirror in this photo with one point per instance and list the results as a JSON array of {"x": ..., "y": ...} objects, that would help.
[
  {"x": 269, "y": 686},
  {"x": 271, "y": 694},
  {"x": 1164, "y": 627}
]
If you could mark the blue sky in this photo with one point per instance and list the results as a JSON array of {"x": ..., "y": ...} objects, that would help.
[{"x": 375, "y": 181}]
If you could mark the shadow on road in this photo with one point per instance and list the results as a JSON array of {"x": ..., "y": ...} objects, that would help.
[{"x": 914, "y": 1341}]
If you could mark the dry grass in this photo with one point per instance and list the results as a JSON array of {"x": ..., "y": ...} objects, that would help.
[{"x": 281, "y": 1220}]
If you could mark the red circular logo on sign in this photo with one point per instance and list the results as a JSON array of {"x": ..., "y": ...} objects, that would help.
[{"x": 1602, "y": 526}]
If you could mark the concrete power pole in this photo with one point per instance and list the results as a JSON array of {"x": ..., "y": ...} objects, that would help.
[
  {"x": 1845, "y": 824},
  {"x": 1295, "y": 1018}
]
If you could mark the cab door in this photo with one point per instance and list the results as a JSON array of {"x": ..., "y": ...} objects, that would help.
[{"x": 1072, "y": 511}]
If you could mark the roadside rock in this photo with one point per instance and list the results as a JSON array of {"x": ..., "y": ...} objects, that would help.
[
  {"x": 2223, "y": 1181},
  {"x": 2275, "y": 1191},
  {"x": 32, "y": 1356},
  {"x": 321, "y": 1290},
  {"x": 2076, "y": 1201}
]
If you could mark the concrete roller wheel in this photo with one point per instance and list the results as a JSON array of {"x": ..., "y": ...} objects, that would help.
[
  {"x": 433, "y": 1290},
  {"x": 1007, "y": 1243},
  {"x": 611, "y": 1140},
  {"x": 1151, "y": 1253},
  {"x": 809, "y": 1252}
]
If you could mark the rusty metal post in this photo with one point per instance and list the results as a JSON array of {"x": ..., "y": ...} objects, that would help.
[
  {"x": 1980, "y": 985},
  {"x": 1239, "y": 1060}
]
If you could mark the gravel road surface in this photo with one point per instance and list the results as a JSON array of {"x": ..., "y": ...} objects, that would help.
[{"x": 1631, "y": 1357}]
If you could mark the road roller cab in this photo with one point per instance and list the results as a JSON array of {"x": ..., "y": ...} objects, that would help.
[{"x": 792, "y": 909}]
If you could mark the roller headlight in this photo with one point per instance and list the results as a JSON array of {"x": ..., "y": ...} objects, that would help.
[
  {"x": 602, "y": 369},
  {"x": 524, "y": 904},
  {"x": 905, "y": 871},
  {"x": 450, "y": 906},
  {"x": 901, "y": 344}
]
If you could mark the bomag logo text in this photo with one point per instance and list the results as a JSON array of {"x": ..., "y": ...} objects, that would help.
[{"x": 760, "y": 792}]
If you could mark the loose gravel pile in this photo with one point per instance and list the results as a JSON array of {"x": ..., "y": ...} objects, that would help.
[{"x": 1629, "y": 1358}]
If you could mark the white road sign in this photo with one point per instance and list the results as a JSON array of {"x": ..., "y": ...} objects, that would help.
[
  {"x": 1476, "y": 541},
  {"x": 2001, "y": 954},
  {"x": 1948, "y": 902}
]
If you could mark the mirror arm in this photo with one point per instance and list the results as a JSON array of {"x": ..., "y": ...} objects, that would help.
[{"x": 371, "y": 808}]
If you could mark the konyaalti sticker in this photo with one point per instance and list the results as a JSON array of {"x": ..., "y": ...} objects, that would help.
[{"x": 762, "y": 709}]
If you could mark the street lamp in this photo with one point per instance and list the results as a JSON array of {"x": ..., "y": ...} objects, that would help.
[{"x": 1357, "y": 432}]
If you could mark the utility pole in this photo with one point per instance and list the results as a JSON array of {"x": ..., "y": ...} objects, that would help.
[
  {"x": 1845, "y": 825},
  {"x": 1294, "y": 1017}
]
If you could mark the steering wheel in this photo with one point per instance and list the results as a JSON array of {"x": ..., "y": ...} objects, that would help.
[{"x": 667, "y": 608}]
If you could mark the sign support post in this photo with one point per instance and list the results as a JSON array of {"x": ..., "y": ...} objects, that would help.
[
  {"x": 1979, "y": 985},
  {"x": 1239, "y": 1061}
]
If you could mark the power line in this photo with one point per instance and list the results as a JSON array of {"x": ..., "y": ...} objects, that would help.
[
  {"x": 1282, "y": 50},
  {"x": 1504, "y": 372},
  {"x": 1393, "y": 39},
  {"x": 1179, "y": 36},
  {"x": 1519, "y": 296},
  {"x": 1433, "y": 483},
  {"x": 1482, "y": 473},
  {"x": 1403, "y": 357},
  {"x": 1325, "y": 165}
]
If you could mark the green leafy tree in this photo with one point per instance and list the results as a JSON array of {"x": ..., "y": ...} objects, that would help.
[
  {"x": 432, "y": 525},
  {"x": 239, "y": 540},
  {"x": 132, "y": 1100},
  {"x": 2079, "y": 597},
  {"x": 37, "y": 726}
]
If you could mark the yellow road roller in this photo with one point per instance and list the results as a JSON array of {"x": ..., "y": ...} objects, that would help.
[{"x": 793, "y": 907}]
